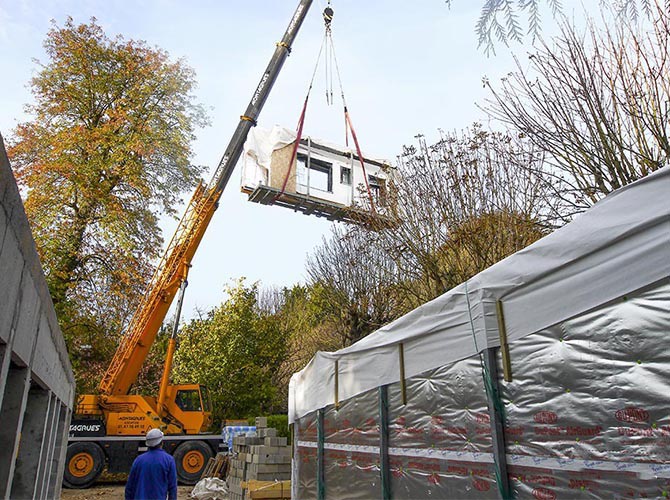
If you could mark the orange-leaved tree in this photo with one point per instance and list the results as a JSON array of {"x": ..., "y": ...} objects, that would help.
[{"x": 105, "y": 152}]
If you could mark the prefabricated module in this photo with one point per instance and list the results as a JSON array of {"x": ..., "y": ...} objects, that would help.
[{"x": 314, "y": 177}]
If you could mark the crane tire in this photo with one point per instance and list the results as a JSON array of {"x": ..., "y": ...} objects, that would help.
[
  {"x": 83, "y": 464},
  {"x": 191, "y": 458}
]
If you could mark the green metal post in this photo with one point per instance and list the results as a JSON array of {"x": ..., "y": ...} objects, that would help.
[
  {"x": 320, "y": 465},
  {"x": 384, "y": 466}
]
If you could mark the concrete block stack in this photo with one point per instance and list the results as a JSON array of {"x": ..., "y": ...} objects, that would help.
[{"x": 264, "y": 457}]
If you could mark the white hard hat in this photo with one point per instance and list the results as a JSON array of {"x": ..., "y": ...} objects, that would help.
[{"x": 154, "y": 437}]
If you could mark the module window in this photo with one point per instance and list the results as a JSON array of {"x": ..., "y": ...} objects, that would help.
[{"x": 320, "y": 174}]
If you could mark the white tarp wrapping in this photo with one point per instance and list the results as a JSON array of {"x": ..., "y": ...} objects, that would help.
[
  {"x": 332, "y": 187},
  {"x": 258, "y": 150},
  {"x": 210, "y": 488},
  {"x": 620, "y": 245}
]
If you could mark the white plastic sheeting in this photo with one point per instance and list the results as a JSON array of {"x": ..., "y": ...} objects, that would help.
[
  {"x": 210, "y": 488},
  {"x": 620, "y": 245},
  {"x": 323, "y": 171},
  {"x": 258, "y": 150}
]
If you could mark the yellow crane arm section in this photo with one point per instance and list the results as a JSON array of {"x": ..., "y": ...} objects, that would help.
[
  {"x": 173, "y": 267},
  {"x": 164, "y": 285}
]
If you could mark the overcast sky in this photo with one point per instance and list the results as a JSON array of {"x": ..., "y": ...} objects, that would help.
[{"x": 408, "y": 67}]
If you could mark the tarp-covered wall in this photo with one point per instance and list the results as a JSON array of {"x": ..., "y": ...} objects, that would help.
[
  {"x": 586, "y": 414},
  {"x": 589, "y": 402},
  {"x": 620, "y": 245}
]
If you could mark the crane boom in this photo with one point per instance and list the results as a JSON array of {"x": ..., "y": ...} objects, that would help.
[{"x": 173, "y": 267}]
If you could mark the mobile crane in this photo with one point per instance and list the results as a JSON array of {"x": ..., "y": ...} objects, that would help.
[{"x": 109, "y": 427}]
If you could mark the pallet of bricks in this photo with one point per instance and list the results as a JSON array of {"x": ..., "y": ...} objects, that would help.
[{"x": 260, "y": 466}]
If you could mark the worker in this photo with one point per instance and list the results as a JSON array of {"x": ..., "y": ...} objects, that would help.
[{"x": 153, "y": 475}]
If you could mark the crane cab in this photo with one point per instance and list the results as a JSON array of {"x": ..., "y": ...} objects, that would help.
[
  {"x": 191, "y": 405},
  {"x": 188, "y": 410}
]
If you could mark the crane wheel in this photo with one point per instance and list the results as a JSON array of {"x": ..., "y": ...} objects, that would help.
[
  {"x": 191, "y": 457},
  {"x": 83, "y": 464}
]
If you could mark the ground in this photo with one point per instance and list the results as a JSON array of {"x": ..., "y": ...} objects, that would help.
[
  {"x": 111, "y": 488},
  {"x": 112, "y": 491}
]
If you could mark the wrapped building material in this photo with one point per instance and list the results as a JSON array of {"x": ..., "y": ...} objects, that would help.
[
  {"x": 230, "y": 431},
  {"x": 304, "y": 477},
  {"x": 589, "y": 401},
  {"x": 445, "y": 411},
  {"x": 420, "y": 408}
]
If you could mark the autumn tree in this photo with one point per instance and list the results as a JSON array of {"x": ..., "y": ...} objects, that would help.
[
  {"x": 308, "y": 323},
  {"x": 596, "y": 102},
  {"x": 236, "y": 351},
  {"x": 106, "y": 151}
]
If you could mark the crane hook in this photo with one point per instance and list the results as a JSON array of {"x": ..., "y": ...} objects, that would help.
[{"x": 328, "y": 15}]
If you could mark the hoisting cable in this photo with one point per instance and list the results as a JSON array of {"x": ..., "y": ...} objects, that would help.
[
  {"x": 328, "y": 59},
  {"x": 329, "y": 47},
  {"x": 348, "y": 125},
  {"x": 301, "y": 123},
  {"x": 328, "y": 18}
]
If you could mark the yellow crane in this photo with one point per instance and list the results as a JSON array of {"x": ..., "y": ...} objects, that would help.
[{"x": 108, "y": 428}]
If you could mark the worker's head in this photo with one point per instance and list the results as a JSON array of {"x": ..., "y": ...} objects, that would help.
[{"x": 154, "y": 438}]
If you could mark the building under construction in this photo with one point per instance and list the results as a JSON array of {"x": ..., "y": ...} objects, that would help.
[{"x": 36, "y": 381}]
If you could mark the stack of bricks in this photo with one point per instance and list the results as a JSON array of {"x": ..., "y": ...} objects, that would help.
[{"x": 264, "y": 457}]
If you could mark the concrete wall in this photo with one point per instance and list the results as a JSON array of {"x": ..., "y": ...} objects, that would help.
[{"x": 36, "y": 381}]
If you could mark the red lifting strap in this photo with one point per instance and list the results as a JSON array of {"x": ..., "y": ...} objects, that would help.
[
  {"x": 294, "y": 152},
  {"x": 360, "y": 157}
]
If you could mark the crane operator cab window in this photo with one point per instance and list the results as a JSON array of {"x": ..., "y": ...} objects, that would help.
[{"x": 188, "y": 400}]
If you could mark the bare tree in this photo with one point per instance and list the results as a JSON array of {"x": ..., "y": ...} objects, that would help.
[
  {"x": 596, "y": 103},
  {"x": 358, "y": 280},
  {"x": 455, "y": 207},
  {"x": 461, "y": 205}
]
